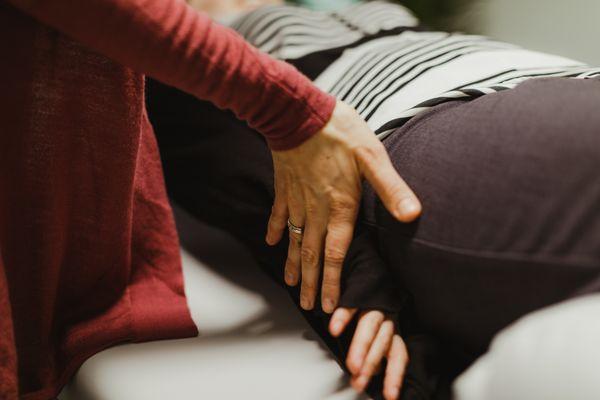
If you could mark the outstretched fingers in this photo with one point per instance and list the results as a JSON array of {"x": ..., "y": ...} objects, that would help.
[
  {"x": 396, "y": 368},
  {"x": 377, "y": 352},
  {"x": 374, "y": 340},
  {"x": 366, "y": 331}
]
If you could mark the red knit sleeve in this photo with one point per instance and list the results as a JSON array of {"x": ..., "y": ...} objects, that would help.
[
  {"x": 173, "y": 43},
  {"x": 8, "y": 356}
]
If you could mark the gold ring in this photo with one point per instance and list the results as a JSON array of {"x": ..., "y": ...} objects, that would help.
[{"x": 298, "y": 230}]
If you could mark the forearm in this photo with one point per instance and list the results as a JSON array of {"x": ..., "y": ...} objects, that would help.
[{"x": 170, "y": 41}]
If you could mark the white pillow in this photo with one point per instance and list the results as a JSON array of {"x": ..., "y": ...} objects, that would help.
[{"x": 551, "y": 354}]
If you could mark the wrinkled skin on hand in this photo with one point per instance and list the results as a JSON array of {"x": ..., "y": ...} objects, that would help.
[{"x": 318, "y": 187}]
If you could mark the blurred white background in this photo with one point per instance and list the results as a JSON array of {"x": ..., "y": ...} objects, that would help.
[{"x": 569, "y": 28}]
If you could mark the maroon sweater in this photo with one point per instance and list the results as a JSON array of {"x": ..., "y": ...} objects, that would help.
[{"x": 89, "y": 255}]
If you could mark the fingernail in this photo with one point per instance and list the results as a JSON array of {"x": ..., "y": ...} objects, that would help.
[
  {"x": 328, "y": 306},
  {"x": 289, "y": 278},
  {"x": 407, "y": 207},
  {"x": 305, "y": 303}
]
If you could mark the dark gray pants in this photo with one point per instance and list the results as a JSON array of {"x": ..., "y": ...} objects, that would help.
[{"x": 510, "y": 184}]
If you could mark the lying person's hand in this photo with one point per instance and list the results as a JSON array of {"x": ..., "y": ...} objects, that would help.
[
  {"x": 317, "y": 195},
  {"x": 374, "y": 339}
]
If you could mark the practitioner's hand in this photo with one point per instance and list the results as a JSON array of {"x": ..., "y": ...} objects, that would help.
[
  {"x": 318, "y": 187},
  {"x": 374, "y": 339}
]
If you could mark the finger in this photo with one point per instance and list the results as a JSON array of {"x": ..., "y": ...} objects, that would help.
[
  {"x": 396, "y": 368},
  {"x": 293, "y": 264},
  {"x": 339, "y": 235},
  {"x": 340, "y": 320},
  {"x": 379, "y": 349},
  {"x": 277, "y": 221},
  {"x": 366, "y": 330},
  {"x": 395, "y": 194},
  {"x": 312, "y": 243},
  {"x": 279, "y": 213}
]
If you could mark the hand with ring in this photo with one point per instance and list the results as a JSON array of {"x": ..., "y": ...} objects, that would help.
[{"x": 317, "y": 195}]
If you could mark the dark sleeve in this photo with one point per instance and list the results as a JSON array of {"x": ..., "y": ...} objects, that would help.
[
  {"x": 366, "y": 280},
  {"x": 172, "y": 42}
]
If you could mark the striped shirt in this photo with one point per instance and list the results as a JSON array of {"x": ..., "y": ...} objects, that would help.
[{"x": 376, "y": 57}]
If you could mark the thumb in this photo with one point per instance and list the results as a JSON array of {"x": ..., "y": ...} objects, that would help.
[{"x": 395, "y": 194}]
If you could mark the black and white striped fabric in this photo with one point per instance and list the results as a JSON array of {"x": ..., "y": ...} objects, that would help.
[
  {"x": 390, "y": 80},
  {"x": 390, "y": 69},
  {"x": 290, "y": 32}
]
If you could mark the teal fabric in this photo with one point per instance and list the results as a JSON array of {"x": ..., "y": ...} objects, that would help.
[{"x": 324, "y": 5}]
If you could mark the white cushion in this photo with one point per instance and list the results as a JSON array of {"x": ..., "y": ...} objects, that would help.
[{"x": 551, "y": 354}]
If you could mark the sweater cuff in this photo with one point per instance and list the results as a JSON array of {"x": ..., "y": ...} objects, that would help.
[{"x": 319, "y": 113}]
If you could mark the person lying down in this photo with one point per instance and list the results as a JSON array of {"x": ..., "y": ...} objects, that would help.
[{"x": 501, "y": 144}]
